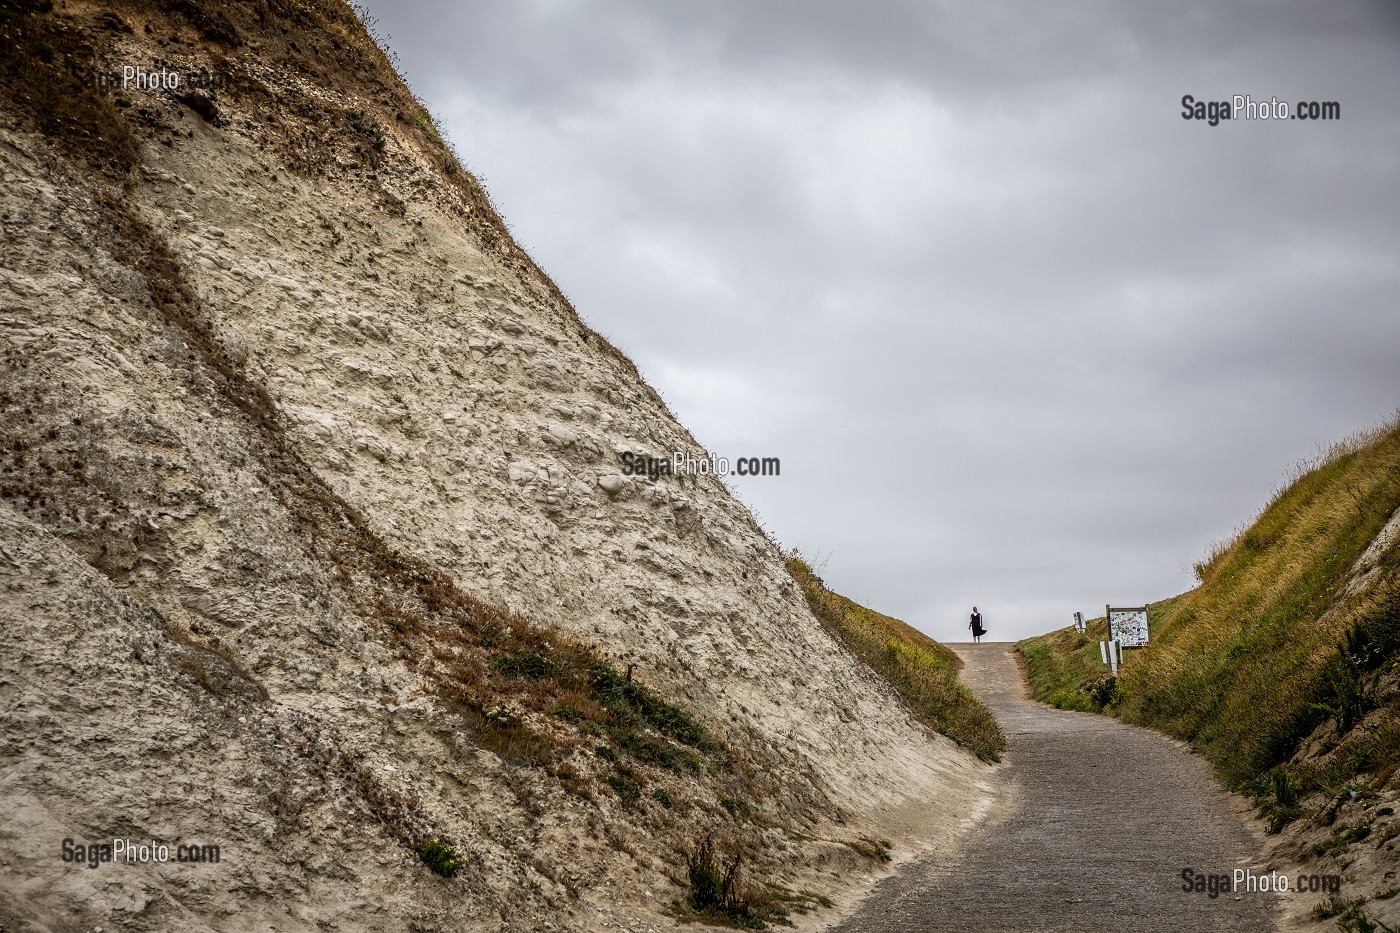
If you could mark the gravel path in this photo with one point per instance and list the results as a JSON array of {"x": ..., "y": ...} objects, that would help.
[{"x": 1057, "y": 856}]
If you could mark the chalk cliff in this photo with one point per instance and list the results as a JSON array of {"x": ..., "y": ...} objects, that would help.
[{"x": 284, "y": 413}]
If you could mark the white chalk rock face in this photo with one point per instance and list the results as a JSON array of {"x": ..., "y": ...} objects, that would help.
[{"x": 440, "y": 385}]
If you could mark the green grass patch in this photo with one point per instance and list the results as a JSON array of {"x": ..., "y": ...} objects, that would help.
[
  {"x": 737, "y": 809},
  {"x": 441, "y": 857},
  {"x": 578, "y": 687},
  {"x": 1064, "y": 668}
]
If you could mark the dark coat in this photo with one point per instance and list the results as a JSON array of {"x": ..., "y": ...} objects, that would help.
[{"x": 976, "y": 625}]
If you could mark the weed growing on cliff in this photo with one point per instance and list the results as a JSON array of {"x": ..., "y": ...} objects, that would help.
[
  {"x": 367, "y": 128},
  {"x": 625, "y": 783},
  {"x": 1354, "y": 920},
  {"x": 877, "y": 850},
  {"x": 737, "y": 809},
  {"x": 1282, "y": 808},
  {"x": 587, "y": 691},
  {"x": 441, "y": 857},
  {"x": 720, "y": 891},
  {"x": 195, "y": 659},
  {"x": 531, "y": 665}
]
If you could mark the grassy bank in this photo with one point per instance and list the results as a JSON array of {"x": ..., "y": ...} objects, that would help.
[
  {"x": 924, "y": 672},
  {"x": 1064, "y": 668},
  {"x": 1273, "y": 649}
]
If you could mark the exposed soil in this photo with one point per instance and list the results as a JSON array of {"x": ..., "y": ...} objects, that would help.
[{"x": 1094, "y": 824}]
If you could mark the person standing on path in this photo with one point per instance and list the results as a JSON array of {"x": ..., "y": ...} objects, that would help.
[{"x": 976, "y": 625}]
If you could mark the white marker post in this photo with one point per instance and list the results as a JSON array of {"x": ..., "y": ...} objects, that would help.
[
  {"x": 1111, "y": 653},
  {"x": 1079, "y": 622}
]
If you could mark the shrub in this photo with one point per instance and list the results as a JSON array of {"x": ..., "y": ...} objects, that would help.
[
  {"x": 1104, "y": 692},
  {"x": 1284, "y": 807},
  {"x": 623, "y": 781},
  {"x": 367, "y": 128},
  {"x": 1342, "y": 691},
  {"x": 719, "y": 891},
  {"x": 442, "y": 858}
]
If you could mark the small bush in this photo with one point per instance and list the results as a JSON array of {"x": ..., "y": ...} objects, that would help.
[
  {"x": 1284, "y": 807},
  {"x": 662, "y": 797},
  {"x": 1104, "y": 692},
  {"x": 441, "y": 857},
  {"x": 623, "y": 781},
  {"x": 720, "y": 892},
  {"x": 1342, "y": 691},
  {"x": 367, "y": 128}
]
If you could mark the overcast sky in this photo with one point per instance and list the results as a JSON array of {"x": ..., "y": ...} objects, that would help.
[{"x": 1021, "y": 335}]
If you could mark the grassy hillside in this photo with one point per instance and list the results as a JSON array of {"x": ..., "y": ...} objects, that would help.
[
  {"x": 1273, "y": 647},
  {"x": 924, "y": 672},
  {"x": 1065, "y": 670}
]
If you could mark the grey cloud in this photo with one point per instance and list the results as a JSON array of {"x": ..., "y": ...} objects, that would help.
[{"x": 1022, "y": 335}]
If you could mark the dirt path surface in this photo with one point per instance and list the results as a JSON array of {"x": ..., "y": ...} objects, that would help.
[{"x": 1056, "y": 855}]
